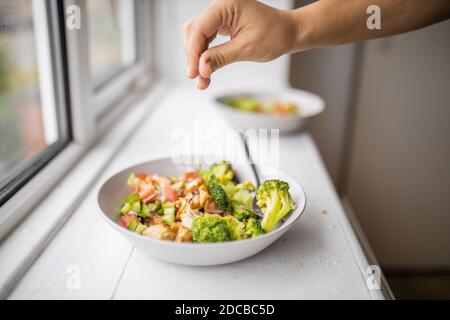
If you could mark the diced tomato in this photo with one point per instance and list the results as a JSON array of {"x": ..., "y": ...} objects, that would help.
[
  {"x": 125, "y": 220},
  {"x": 142, "y": 176},
  {"x": 169, "y": 193},
  {"x": 191, "y": 175}
]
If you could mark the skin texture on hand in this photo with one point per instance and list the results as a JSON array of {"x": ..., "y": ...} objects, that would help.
[
  {"x": 257, "y": 33},
  {"x": 261, "y": 33}
]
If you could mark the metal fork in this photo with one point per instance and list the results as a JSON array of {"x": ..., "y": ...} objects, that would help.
[{"x": 256, "y": 209}]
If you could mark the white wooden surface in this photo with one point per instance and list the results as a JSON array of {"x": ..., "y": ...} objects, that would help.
[{"x": 317, "y": 258}]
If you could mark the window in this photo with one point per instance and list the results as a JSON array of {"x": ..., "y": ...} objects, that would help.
[
  {"x": 61, "y": 88},
  {"x": 111, "y": 38},
  {"x": 32, "y": 128},
  {"x": 117, "y": 61}
]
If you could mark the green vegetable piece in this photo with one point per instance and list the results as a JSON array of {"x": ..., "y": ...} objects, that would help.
[
  {"x": 145, "y": 211},
  {"x": 133, "y": 223},
  {"x": 253, "y": 228},
  {"x": 219, "y": 196},
  {"x": 125, "y": 208},
  {"x": 230, "y": 188},
  {"x": 133, "y": 203},
  {"x": 242, "y": 213},
  {"x": 244, "y": 198},
  {"x": 222, "y": 171},
  {"x": 136, "y": 206},
  {"x": 204, "y": 173},
  {"x": 169, "y": 215},
  {"x": 132, "y": 198},
  {"x": 215, "y": 228},
  {"x": 140, "y": 228},
  {"x": 244, "y": 103},
  {"x": 131, "y": 179},
  {"x": 168, "y": 204},
  {"x": 154, "y": 206},
  {"x": 275, "y": 201}
]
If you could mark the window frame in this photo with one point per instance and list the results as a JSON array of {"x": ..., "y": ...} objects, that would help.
[
  {"x": 91, "y": 106},
  {"x": 90, "y": 113},
  {"x": 22, "y": 173}
]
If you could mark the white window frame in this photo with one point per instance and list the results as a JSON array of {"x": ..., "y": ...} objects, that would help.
[
  {"x": 91, "y": 108},
  {"x": 92, "y": 112}
]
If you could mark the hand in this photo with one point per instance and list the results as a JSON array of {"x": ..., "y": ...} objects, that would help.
[{"x": 257, "y": 33}]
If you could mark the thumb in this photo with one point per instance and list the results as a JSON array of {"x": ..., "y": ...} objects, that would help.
[{"x": 219, "y": 56}]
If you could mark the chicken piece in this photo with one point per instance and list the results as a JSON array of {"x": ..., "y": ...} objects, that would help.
[
  {"x": 195, "y": 202},
  {"x": 193, "y": 185},
  {"x": 181, "y": 205},
  {"x": 160, "y": 232},
  {"x": 187, "y": 217},
  {"x": 183, "y": 235},
  {"x": 203, "y": 195}
]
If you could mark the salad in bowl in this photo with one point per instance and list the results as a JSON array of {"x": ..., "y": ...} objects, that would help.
[
  {"x": 271, "y": 107},
  {"x": 199, "y": 214},
  {"x": 284, "y": 109},
  {"x": 203, "y": 206}
]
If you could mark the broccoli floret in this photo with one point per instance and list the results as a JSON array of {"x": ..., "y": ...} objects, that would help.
[
  {"x": 253, "y": 228},
  {"x": 230, "y": 188},
  {"x": 275, "y": 201},
  {"x": 246, "y": 185},
  {"x": 215, "y": 228},
  {"x": 219, "y": 195},
  {"x": 242, "y": 195},
  {"x": 242, "y": 213},
  {"x": 222, "y": 171}
]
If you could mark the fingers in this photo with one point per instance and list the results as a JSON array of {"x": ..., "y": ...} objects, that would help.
[
  {"x": 197, "y": 34},
  {"x": 191, "y": 71},
  {"x": 203, "y": 83},
  {"x": 196, "y": 44},
  {"x": 217, "y": 57}
]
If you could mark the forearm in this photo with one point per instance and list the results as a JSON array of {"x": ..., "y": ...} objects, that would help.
[{"x": 332, "y": 22}]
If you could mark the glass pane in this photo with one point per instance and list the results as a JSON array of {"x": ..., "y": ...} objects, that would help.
[
  {"x": 111, "y": 37},
  {"x": 27, "y": 124}
]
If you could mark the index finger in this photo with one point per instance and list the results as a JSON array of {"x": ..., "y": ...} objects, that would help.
[{"x": 198, "y": 34}]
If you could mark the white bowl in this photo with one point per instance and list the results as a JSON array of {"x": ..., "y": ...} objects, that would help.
[
  {"x": 115, "y": 189},
  {"x": 309, "y": 105}
]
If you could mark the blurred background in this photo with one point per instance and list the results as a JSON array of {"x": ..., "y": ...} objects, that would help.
[{"x": 384, "y": 137}]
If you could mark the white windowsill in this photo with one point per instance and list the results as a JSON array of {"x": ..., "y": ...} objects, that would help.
[{"x": 19, "y": 250}]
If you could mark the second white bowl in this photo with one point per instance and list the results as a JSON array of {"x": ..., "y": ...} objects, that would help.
[{"x": 309, "y": 105}]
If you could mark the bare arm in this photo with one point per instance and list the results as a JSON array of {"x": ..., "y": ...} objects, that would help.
[
  {"x": 261, "y": 33},
  {"x": 332, "y": 22}
]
